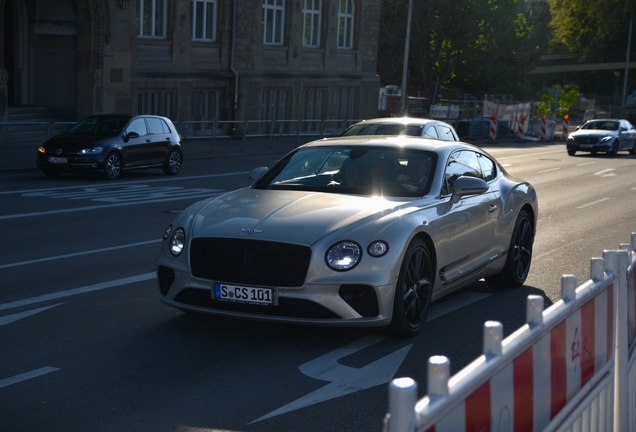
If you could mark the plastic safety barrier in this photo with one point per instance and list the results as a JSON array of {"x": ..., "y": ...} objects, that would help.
[{"x": 571, "y": 367}]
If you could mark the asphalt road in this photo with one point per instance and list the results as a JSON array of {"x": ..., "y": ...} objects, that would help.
[{"x": 86, "y": 345}]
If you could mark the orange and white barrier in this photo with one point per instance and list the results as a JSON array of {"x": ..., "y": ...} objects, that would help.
[
  {"x": 522, "y": 120},
  {"x": 493, "y": 128},
  {"x": 566, "y": 126},
  {"x": 544, "y": 129},
  {"x": 572, "y": 367}
]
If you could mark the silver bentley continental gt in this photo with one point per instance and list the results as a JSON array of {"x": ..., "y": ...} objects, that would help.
[{"x": 352, "y": 231}]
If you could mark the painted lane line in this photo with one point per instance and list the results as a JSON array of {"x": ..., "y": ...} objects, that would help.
[
  {"x": 76, "y": 254},
  {"x": 529, "y": 154},
  {"x": 98, "y": 207},
  {"x": 343, "y": 379},
  {"x": 26, "y": 376},
  {"x": 585, "y": 163},
  {"x": 15, "y": 317},
  {"x": 76, "y": 291},
  {"x": 168, "y": 178},
  {"x": 548, "y": 170},
  {"x": 604, "y": 172},
  {"x": 592, "y": 203}
]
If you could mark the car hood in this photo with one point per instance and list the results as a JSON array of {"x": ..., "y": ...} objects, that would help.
[
  {"x": 73, "y": 142},
  {"x": 593, "y": 133},
  {"x": 285, "y": 216}
]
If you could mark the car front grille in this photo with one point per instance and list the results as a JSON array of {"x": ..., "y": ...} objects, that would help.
[
  {"x": 287, "y": 307},
  {"x": 251, "y": 262},
  {"x": 586, "y": 140}
]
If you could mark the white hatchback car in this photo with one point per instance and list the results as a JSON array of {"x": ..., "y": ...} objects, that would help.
[{"x": 415, "y": 127}]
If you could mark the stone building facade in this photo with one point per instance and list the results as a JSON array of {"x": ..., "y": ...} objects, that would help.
[{"x": 192, "y": 59}]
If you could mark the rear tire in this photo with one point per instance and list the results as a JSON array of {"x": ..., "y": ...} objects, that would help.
[
  {"x": 519, "y": 257},
  {"x": 413, "y": 291}
]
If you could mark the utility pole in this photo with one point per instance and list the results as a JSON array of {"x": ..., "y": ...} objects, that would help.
[
  {"x": 407, "y": 44},
  {"x": 629, "y": 42}
]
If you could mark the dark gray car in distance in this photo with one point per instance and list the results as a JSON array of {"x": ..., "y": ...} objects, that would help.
[
  {"x": 603, "y": 135},
  {"x": 110, "y": 143}
]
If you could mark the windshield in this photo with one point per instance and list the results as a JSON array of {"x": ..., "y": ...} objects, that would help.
[
  {"x": 601, "y": 125},
  {"x": 107, "y": 126},
  {"x": 353, "y": 170},
  {"x": 384, "y": 129}
]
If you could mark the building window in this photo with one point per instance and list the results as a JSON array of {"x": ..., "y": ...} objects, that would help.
[
  {"x": 275, "y": 104},
  {"x": 203, "y": 13},
  {"x": 345, "y": 24},
  {"x": 313, "y": 108},
  {"x": 206, "y": 105},
  {"x": 347, "y": 103},
  {"x": 155, "y": 103},
  {"x": 311, "y": 23},
  {"x": 151, "y": 18},
  {"x": 273, "y": 18}
]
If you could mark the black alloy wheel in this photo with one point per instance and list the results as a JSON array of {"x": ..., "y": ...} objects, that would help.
[
  {"x": 519, "y": 258},
  {"x": 413, "y": 291},
  {"x": 614, "y": 150},
  {"x": 113, "y": 165},
  {"x": 172, "y": 165}
]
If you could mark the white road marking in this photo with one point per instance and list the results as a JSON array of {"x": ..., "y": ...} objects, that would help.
[
  {"x": 605, "y": 173},
  {"x": 345, "y": 380},
  {"x": 592, "y": 203},
  {"x": 548, "y": 170},
  {"x": 529, "y": 154},
  {"x": 71, "y": 255},
  {"x": 76, "y": 291},
  {"x": 585, "y": 163},
  {"x": 28, "y": 375},
  {"x": 16, "y": 317}
]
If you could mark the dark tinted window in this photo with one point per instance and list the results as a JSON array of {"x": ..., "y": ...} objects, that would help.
[
  {"x": 155, "y": 125},
  {"x": 487, "y": 168},
  {"x": 461, "y": 163},
  {"x": 139, "y": 126}
]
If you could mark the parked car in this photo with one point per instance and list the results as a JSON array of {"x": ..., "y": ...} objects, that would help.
[
  {"x": 416, "y": 127},
  {"x": 306, "y": 244},
  {"x": 110, "y": 143},
  {"x": 603, "y": 135}
]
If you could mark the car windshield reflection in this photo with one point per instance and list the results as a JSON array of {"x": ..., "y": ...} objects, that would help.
[
  {"x": 105, "y": 126},
  {"x": 346, "y": 170}
]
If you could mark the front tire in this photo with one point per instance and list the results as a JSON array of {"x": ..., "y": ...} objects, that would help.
[
  {"x": 632, "y": 151},
  {"x": 519, "y": 257},
  {"x": 571, "y": 152},
  {"x": 172, "y": 166},
  {"x": 113, "y": 166},
  {"x": 614, "y": 150},
  {"x": 413, "y": 291}
]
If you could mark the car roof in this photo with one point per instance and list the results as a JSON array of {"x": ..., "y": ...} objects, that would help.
[
  {"x": 402, "y": 142},
  {"x": 399, "y": 120}
]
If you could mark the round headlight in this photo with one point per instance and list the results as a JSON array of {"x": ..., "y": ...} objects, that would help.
[
  {"x": 378, "y": 248},
  {"x": 167, "y": 232},
  {"x": 343, "y": 255},
  {"x": 177, "y": 242}
]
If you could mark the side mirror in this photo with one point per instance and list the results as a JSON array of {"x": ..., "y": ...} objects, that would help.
[
  {"x": 257, "y": 173},
  {"x": 130, "y": 135},
  {"x": 468, "y": 186}
]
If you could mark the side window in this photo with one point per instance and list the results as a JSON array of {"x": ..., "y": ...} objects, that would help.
[
  {"x": 273, "y": 21},
  {"x": 154, "y": 125},
  {"x": 446, "y": 133},
  {"x": 139, "y": 126},
  {"x": 487, "y": 168},
  {"x": 461, "y": 163},
  {"x": 430, "y": 132}
]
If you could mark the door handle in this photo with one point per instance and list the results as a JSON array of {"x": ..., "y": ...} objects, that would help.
[{"x": 492, "y": 208}]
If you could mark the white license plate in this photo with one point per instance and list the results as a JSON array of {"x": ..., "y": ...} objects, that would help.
[
  {"x": 252, "y": 295},
  {"x": 586, "y": 146},
  {"x": 54, "y": 159}
]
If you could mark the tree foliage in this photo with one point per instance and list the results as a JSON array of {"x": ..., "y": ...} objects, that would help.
[{"x": 468, "y": 45}]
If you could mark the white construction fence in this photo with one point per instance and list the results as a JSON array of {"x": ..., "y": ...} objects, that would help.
[{"x": 570, "y": 368}]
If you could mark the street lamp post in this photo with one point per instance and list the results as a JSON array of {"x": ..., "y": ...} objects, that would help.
[{"x": 407, "y": 44}]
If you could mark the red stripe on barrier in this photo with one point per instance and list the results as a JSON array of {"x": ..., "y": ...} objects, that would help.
[
  {"x": 558, "y": 371},
  {"x": 478, "y": 410},
  {"x": 587, "y": 342},
  {"x": 610, "y": 321},
  {"x": 523, "y": 378}
]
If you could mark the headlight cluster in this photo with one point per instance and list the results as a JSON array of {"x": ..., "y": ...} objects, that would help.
[
  {"x": 606, "y": 138},
  {"x": 177, "y": 239},
  {"x": 346, "y": 254},
  {"x": 93, "y": 150}
]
